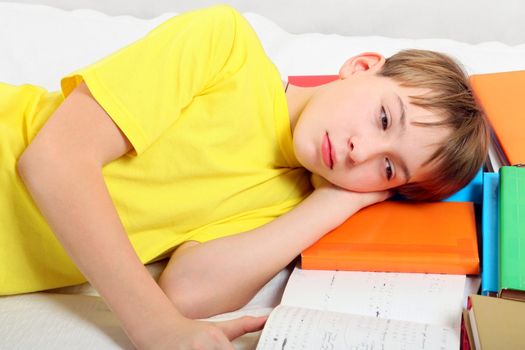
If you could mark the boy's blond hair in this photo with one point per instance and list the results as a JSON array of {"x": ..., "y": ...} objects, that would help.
[{"x": 460, "y": 157}]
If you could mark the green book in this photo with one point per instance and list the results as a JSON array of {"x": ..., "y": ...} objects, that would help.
[{"x": 512, "y": 227}]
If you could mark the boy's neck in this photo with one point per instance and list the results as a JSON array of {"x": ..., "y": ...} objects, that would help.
[{"x": 297, "y": 98}]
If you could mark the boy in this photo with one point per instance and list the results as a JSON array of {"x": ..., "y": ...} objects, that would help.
[{"x": 181, "y": 145}]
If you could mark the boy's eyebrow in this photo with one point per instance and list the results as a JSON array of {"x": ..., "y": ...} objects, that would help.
[
  {"x": 402, "y": 112},
  {"x": 404, "y": 168},
  {"x": 402, "y": 122}
]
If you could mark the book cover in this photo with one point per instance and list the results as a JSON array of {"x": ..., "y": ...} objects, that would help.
[
  {"x": 391, "y": 236},
  {"x": 496, "y": 323},
  {"x": 489, "y": 234},
  {"x": 501, "y": 96},
  {"x": 472, "y": 192},
  {"x": 512, "y": 228},
  {"x": 311, "y": 80}
]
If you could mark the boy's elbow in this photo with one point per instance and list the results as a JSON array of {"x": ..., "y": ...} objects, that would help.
[
  {"x": 26, "y": 165},
  {"x": 188, "y": 300},
  {"x": 35, "y": 163},
  {"x": 195, "y": 297},
  {"x": 41, "y": 168}
]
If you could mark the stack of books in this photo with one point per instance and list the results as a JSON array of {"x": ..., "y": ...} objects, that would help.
[
  {"x": 500, "y": 95},
  {"x": 503, "y": 230},
  {"x": 395, "y": 275},
  {"x": 397, "y": 256},
  {"x": 492, "y": 320}
]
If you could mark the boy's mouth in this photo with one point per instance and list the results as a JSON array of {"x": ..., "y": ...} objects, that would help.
[{"x": 327, "y": 151}]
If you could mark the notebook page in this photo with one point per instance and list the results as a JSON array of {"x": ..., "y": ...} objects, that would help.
[
  {"x": 302, "y": 328},
  {"x": 423, "y": 298}
]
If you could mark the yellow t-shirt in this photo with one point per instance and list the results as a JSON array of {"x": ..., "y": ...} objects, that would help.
[{"x": 205, "y": 111}]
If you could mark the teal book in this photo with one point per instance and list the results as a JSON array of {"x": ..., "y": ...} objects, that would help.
[
  {"x": 472, "y": 192},
  {"x": 512, "y": 227},
  {"x": 489, "y": 234}
]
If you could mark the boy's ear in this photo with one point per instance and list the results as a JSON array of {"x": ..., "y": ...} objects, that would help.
[{"x": 367, "y": 61}]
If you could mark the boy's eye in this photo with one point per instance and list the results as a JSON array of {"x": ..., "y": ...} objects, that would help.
[
  {"x": 384, "y": 118},
  {"x": 388, "y": 169}
]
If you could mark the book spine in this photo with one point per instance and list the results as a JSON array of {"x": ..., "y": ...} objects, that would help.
[
  {"x": 512, "y": 294},
  {"x": 311, "y": 80},
  {"x": 489, "y": 234},
  {"x": 512, "y": 228},
  {"x": 460, "y": 265}
]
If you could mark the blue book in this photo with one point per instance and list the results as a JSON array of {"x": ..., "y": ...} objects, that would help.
[
  {"x": 472, "y": 192},
  {"x": 489, "y": 234}
]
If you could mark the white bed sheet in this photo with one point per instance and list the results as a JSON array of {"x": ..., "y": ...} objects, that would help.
[{"x": 39, "y": 44}]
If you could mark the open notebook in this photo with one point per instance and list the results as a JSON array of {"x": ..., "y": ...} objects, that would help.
[{"x": 368, "y": 310}]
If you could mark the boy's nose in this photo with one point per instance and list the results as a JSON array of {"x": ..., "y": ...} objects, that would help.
[
  {"x": 362, "y": 148},
  {"x": 352, "y": 152}
]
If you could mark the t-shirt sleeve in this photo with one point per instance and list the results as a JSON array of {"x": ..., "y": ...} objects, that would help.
[{"x": 144, "y": 86}]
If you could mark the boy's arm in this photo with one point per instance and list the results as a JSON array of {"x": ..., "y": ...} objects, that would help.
[
  {"x": 224, "y": 274},
  {"x": 62, "y": 169}
]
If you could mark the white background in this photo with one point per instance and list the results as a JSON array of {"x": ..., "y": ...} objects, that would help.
[{"x": 471, "y": 21}]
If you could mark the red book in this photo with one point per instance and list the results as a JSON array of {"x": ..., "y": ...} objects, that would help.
[{"x": 311, "y": 80}]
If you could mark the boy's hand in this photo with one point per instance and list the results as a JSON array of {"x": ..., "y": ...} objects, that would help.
[
  {"x": 342, "y": 196},
  {"x": 240, "y": 326},
  {"x": 193, "y": 334}
]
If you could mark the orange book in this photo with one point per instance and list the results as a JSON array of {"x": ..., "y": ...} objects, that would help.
[
  {"x": 394, "y": 236},
  {"x": 501, "y": 95}
]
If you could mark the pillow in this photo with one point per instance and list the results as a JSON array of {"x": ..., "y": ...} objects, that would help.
[{"x": 39, "y": 44}]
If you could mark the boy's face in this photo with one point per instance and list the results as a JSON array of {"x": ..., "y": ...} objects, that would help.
[{"x": 358, "y": 134}]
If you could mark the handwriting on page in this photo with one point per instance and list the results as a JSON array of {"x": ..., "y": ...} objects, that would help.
[
  {"x": 291, "y": 328},
  {"x": 424, "y": 298}
]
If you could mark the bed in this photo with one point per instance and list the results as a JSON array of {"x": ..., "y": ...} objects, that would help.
[{"x": 40, "y": 43}]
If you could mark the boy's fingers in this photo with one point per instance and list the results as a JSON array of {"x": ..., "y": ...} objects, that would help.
[{"x": 235, "y": 328}]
